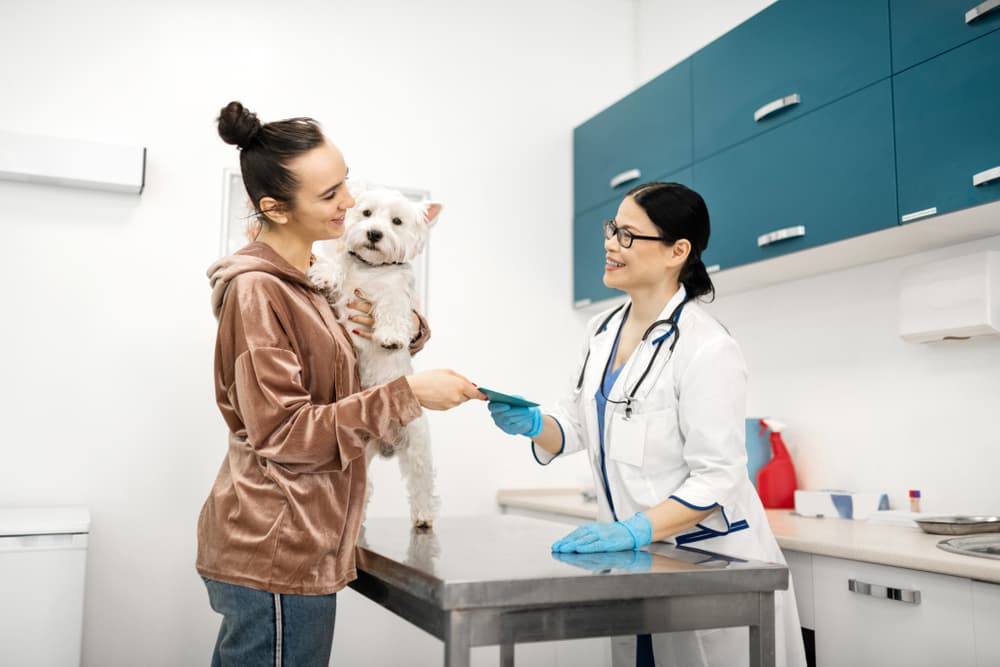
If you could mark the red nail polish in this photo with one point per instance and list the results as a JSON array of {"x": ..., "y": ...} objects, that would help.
[{"x": 355, "y": 331}]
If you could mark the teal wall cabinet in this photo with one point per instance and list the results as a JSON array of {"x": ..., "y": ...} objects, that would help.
[
  {"x": 922, "y": 29},
  {"x": 824, "y": 177},
  {"x": 646, "y": 133},
  {"x": 947, "y": 119},
  {"x": 788, "y": 60}
]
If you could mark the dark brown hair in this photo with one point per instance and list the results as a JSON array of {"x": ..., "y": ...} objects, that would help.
[
  {"x": 266, "y": 149},
  {"x": 680, "y": 213}
]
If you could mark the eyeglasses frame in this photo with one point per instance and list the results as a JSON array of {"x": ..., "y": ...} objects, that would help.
[{"x": 611, "y": 229}]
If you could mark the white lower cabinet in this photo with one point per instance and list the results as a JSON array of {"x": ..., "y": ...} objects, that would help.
[
  {"x": 881, "y": 616},
  {"x": 800, "y": 568},
  {"x": 986, "y": 606}
]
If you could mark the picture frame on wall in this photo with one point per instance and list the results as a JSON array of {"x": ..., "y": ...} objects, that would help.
[{"x": 238, "y": 215}]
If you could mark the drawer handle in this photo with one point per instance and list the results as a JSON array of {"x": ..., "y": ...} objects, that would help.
[
  {"x": 883, "y": 592},
  {"x": 781, "y": 235},
  {"x": 984, "y": 177},
  {"x": 981, "y": 10},
  {"x": 625, "y": 177},
  {"x": 778, "y": 104}
]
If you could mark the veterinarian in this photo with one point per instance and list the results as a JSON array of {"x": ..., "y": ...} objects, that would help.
[
  {"x": 277, "y": 534},
  {"x": 658, "y": 404}
]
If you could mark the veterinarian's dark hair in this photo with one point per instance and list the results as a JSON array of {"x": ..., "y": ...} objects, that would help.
[
  {"x": 266, "y": 149},
  {"x": 680, "y": 213}
]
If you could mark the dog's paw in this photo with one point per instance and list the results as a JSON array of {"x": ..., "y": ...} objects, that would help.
[
  {"x": 322, "y": 274},
  {"x": 390, "y": 342},
  {"x": 423, "y": 524}
]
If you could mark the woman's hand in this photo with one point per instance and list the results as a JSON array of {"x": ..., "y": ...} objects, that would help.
[
  {"x": 362, "y": 316},
  {"x": 442, "y": 389}
]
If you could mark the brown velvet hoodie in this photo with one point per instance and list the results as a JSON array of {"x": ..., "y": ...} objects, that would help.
[{"x": 285, "y": 510}]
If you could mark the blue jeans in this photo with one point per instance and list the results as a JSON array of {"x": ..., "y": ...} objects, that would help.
[{"x": 261, "y": 629}]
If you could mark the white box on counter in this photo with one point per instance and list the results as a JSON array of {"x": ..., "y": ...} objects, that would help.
[{"x": 843, "y": 504}]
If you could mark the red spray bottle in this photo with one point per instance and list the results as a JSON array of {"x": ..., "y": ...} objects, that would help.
[{"x": 776, "y": 480}]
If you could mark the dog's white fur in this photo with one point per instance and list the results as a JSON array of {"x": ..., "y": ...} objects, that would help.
[{"x": 383, "y": 233}]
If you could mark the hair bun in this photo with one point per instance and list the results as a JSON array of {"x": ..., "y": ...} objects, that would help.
[{"x": 238, "y": 125}]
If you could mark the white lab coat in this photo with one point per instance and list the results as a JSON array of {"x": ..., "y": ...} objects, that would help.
[{"x": 693, "y": 405}]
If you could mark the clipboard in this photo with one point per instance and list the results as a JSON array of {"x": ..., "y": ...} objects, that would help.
[{"x": 507, "y": 398}]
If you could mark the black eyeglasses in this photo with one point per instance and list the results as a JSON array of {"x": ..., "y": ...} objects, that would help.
[{"x": 625, "y": 237}]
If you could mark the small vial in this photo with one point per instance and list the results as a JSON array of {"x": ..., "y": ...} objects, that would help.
[{"x": 914, "y": 500}]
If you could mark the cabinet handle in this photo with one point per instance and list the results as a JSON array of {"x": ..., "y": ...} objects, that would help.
[
  {"x": 984, "y": 177},
  {"x": 713, "y": 268},
  {"x": 981, "y": 10},
  {"x": 883, "y": 592},
  {"x": 781, "y": 235},
  {"x": 916, "y": 215},
  {"x": 626, "y": 176},
  {"x": 778, "y": 104}
]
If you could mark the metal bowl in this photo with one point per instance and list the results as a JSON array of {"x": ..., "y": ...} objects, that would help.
[
  {"x": 984, "y": 546},
  {"x": 959, "y": 525}
]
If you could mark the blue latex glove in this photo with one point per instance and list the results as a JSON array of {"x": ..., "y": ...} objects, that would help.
[
  {"x": 516, "y": 420},
  {"x": 624, "y": 561},
  {"x": 614, "y": 536}
]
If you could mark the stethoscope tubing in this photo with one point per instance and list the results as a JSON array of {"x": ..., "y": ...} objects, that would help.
[{"x": 630, "y": 395}]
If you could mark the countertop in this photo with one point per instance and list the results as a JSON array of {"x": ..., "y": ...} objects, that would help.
[{"x": 884, "y": 544}]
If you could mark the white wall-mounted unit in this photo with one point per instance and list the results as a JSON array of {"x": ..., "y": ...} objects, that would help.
[
  {"x": 951, "y": 298},
  {"x": 32, "y": 158},
  {"x": 43, "y": 564}
]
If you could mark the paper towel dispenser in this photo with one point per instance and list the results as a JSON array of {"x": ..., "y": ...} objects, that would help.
[
  {"x": 954, "y": 298},
  {"x": 31, "y": 158}
]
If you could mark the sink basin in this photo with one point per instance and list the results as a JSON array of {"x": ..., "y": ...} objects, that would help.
[{"x": 984, "y": 546}]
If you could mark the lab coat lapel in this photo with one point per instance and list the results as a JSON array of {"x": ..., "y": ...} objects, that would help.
[{"x": 643, "y": 354}]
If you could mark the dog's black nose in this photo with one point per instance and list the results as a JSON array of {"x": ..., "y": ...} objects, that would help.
[{"x": 374, "y": 235}]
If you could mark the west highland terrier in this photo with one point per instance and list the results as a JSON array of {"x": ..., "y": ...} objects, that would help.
[{"x": 383, "y": 233}]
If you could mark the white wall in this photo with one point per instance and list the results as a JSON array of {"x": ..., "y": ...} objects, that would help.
[
  {"x": 108, "y": 399},
  {"x": 866, "y": 411}
]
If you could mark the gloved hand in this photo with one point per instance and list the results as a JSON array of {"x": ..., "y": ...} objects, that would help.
[
  {"x": 516, "y": 420},
  {"x": 613, "y": 536},
  {"x": 625, "y": 561}
]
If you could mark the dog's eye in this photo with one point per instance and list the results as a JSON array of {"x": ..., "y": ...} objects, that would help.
[
  {"x": 397, "y": 221},
  {"x": 367, "y": 213}
]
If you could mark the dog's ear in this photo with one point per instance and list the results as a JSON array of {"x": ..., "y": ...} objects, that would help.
[{"x": 432, "y": 209}]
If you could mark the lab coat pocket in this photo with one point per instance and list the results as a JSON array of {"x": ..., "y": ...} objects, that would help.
[
  {"x": 628, "y": 439},
  {"x": 664, "y": 450}
]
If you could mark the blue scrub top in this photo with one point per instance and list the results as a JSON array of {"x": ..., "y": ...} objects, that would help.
[{"x": 608, "y": 382}]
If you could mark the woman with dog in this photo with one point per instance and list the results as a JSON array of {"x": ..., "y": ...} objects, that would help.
[
  {"x": 277, "y": 534},
  {"x": 659, "y": 404}
]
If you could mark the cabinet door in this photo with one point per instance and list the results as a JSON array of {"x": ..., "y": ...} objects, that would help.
[
  {"x": 986, "y": 608},
  {"x": 867, "y": 628},
  {"x": 829, "y": 175},
  {"x": 922, "y": 29},
  {"x": 646, "y": 133},
  {"x": 588, "y": 246},
  {"x": 588, "y": 255},
  {"x": 816, "y": 49},
  {"x": 947, "y": 134},
  {"x": 800, "y": 569}
]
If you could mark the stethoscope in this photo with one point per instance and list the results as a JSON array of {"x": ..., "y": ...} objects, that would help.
[{"x": 630, "y": 395}]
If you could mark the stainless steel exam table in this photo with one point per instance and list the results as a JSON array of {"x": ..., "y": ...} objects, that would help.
[{"x": 476, "y": 581}]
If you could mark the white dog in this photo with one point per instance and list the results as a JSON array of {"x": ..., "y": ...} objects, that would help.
[{"x": 383, "y": 233}]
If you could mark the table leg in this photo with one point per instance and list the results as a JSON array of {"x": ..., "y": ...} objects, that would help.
[
  {"x": 507, "y": 655},
  {"x": 762, "y": 637},
  {"x": 457, "y": 648}
]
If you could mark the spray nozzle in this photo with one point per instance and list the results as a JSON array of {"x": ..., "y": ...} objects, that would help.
[{"x": 773, "y": 425}]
